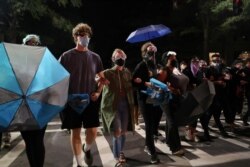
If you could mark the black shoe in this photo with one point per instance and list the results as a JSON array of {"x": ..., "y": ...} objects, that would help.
[
  {"x": 88, "y": 158},
  {"x": 154, "y": 159},
  {"x": 207, "y": 138},
  {"x": 245, "y": 124},
  {"x": 225, "y": 135}
]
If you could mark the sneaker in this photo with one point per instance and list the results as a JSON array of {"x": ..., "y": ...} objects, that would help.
[
  {"x": 137, "y": 127},
  {"x": 146, "y": 150},
  {"x": 196, "y": 139},
  {"x": 88, "y": 158},
  {"x": 154, "y": 159},
  {"x": 180, "y": 152}
]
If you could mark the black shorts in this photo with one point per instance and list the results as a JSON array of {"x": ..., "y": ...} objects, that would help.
[{"x": 89, "y": 118}]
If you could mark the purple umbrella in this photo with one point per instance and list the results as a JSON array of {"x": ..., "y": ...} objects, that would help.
[{"x": 148, "y": 33}]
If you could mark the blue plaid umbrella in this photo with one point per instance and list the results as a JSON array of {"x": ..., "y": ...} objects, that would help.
[
  {"x": 148, "y": 33},
  {"x": 33, "y": 87}
]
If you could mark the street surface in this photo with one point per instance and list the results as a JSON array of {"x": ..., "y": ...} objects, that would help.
[{"x": 229, "y": 152}]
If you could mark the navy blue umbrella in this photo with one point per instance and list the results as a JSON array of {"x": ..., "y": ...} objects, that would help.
[
  {"x": 148, "y": 33},
  {"x": 33, "y": 87}
]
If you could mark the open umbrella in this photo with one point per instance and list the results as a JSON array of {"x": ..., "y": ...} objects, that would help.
[
  {"x": 195, "y": 103},
  {"x": 33, "y": 87},
  {"x": 148, "y": 33}
]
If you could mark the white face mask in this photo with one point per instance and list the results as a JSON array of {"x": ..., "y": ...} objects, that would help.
[{"x": 84, "y": 41}]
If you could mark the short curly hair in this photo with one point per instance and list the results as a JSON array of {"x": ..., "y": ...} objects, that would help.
[{"x": 81, "y": 28}]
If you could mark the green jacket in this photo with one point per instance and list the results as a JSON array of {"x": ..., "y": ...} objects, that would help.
[{"x": 110, "y": 95}]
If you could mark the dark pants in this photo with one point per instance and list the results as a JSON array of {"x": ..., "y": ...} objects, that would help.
[
  {"x": 149, "y": 116},
  {"x": 246, "y": 114},
  {"x": 1, "y": 134},
  {"x": 35, "y": 149},
  {"x": 215, "y": 111},
  {"x": 158, "y": 115},
  {"x": 172, "y": 132}
]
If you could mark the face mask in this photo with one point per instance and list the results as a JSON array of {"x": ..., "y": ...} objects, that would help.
[
  {"x": 84, "y": 41},
  {"x": 174, "y": 63},
  {"x": 150, "y": 53},
  {"x": 215, "y": 64},
  {"x": 120, "y": 62}
]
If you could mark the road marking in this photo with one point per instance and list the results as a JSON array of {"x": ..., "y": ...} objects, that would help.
[
  {"x": 105, "y": 152},
  {"x": 10, "y": 157}
]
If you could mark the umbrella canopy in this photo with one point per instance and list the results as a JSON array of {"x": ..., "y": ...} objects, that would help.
[
  {"x": 148, "y": 33},
  {"x": 33, "y": 87},
  {"x": 195, "y": 103}
]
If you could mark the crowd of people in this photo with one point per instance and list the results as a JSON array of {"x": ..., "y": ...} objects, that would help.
[{"x": 117, "y": 94}]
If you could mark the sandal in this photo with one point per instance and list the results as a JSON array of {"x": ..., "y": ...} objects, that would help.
[{"x": 122, "y": 158}]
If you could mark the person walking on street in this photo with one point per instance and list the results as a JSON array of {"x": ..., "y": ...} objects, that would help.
[
  {"x": 247, "y": 91},
  {"x": 143, "y": 71},
  {"x": 34, "y": 139},
  {"x": 177, "y": 83},
  {"x": 83, "y": 65},
  {"x": 117, "y": 103}
]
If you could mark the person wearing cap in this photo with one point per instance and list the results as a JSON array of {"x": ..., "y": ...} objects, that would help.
[
  {"x": 34, "y": 139},
  {"x": 83, "y": 66},
  {"x": 117, "y": 103},
  {"x": 216, "y": 75},
  {"x": 32, "y": 40},
  {"x": 142, "y": 73}
]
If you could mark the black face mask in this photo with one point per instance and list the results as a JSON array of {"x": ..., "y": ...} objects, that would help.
[
  {"x": 174, "y": 63},
  {"x": 120, "y": 62},
  {"x": 150, "y": 53}
]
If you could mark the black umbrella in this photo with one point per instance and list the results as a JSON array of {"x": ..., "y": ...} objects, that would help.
[{"x": 195, "y": 103}]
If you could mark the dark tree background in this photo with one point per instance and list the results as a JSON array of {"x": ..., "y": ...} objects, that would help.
[{"x": 198, "y": 26}]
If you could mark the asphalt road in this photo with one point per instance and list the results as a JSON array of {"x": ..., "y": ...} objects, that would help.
[{"x": 229, "y": 152}]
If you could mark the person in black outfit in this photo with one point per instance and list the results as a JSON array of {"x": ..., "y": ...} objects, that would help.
[
  {"x": 233, "y": 98},
  {"x": 216, "y": 75},
  {"x": 177, "y": 84},
  {"x": 141, "y": 76},
  {"x": 34, "y": 144},
  {"x": 246, "y": 71},
  {"x": 195, "y": 75}
]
